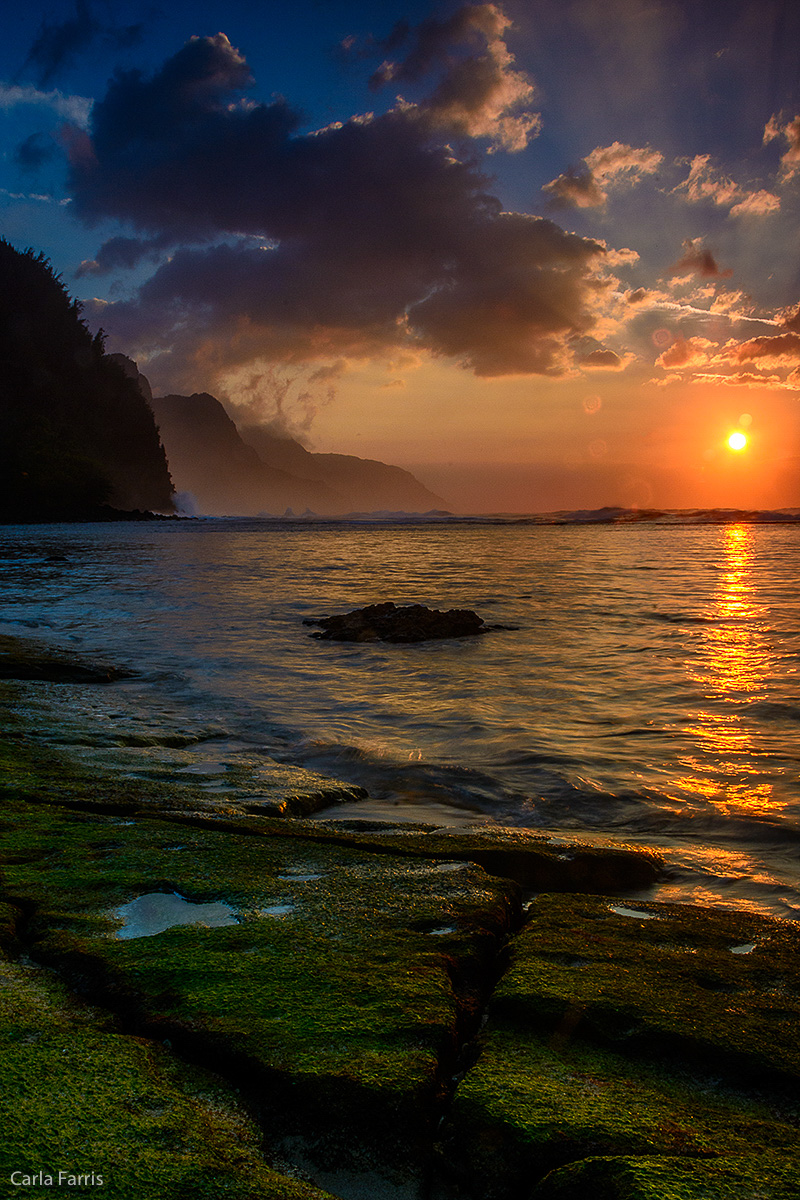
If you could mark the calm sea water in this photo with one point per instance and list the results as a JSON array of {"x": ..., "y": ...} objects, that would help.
[{"x": 649, "y": 693}]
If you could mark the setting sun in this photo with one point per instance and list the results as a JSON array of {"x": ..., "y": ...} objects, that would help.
[{"x": 737, "y": 441}]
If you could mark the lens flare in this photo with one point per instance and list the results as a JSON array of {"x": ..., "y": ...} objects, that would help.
[{"x": 737, "y": 441}]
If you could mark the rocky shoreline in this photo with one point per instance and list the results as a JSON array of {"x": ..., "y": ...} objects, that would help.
[{"x": 386, "y": 1011}]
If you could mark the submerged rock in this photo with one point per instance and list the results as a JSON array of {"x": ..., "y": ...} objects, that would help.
[
  {"x": 405, "y": 623},
  {"x": 21, "y": 659}
]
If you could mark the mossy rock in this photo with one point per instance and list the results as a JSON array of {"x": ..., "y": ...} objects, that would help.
[
  {"x": 605, "y": 1039},
  {"x": 338, "y": 1000},
  {"x": 532, "y": 860},
  {"x": 80, "y": 1098},
  {"x": 760, "y": 1177},
  {"x": 532, "y": 1104},
  {"x": 139, "y": 772},
  {"x": 705, "y": 984}
]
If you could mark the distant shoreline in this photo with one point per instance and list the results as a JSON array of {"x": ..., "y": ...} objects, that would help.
[{"x": 671, "y": 518}]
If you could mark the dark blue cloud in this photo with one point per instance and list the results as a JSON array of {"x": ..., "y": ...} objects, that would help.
[
  {"x": 366, "y": 233},
  {"x": 59, "y": 43},
  {"x": 33, "y": 152}
]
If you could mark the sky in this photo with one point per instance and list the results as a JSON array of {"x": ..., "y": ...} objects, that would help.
[{"x": 545, "y": 253}]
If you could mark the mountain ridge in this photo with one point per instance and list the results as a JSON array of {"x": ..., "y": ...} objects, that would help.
[{"x": 226, "y": 471}]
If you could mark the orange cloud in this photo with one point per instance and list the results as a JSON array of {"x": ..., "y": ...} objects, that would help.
[
  {"x": 705, "y": 184},
  {"x": 685, "y": 352},
  {"x": 742, "y": 379},
  {"x": 783, "y": 347},
  {"x": 757, "y": 204},
  {"x": 790, "y": 132},
  {"x": 576, "y": 188},
  {"x": 702, "y": 183},
  {"x": 479, "y": 94},
  {"x": 789, "y": 318},
  {"x": 587, "y": 186}
]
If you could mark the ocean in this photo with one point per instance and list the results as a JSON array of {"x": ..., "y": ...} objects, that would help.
[{"x": 645, "y": 690}]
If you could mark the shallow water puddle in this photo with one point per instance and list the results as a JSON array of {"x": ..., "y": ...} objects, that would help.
[
  {"x": 746, "y": 948},
  {"x": 209, "y": 766},
  {"x": 278, "y": 910},
  {"x": 621, "y": 911},
  {"x": 154, "y": 912}
]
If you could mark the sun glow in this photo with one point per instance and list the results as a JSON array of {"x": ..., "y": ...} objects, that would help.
[{"x": 737, "y": 441}]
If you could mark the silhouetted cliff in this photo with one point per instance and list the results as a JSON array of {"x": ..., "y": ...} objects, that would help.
[
  {"x": 364, "y": 484},
  {"x": 208, "y": 458},
  {"x": 75, "y": 432},
  {"x": 254, "y": 472}
]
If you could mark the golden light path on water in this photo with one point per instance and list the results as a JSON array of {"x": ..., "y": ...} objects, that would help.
[{"x": 734, "y": 662}]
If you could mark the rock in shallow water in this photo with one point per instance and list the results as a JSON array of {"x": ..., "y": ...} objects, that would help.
[
  {"x": 23, "y": 659},
  {"x": 392, "y": 623}
]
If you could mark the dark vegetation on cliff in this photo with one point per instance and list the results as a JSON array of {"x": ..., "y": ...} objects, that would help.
[{"x": 75, "y": 433}]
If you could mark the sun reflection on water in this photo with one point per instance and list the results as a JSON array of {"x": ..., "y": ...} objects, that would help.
[{"x": 732, "y": 667}]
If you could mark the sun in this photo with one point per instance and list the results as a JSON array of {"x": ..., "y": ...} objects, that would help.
[{"x": 737, "y": 441}]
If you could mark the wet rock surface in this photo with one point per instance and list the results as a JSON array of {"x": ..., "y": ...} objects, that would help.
[
  {"x": 356, "y": 1009},
  {"x": 613, "y": 1036},
  {"x": 23, "y": 659},
  {"x": 392, "y": 623}
]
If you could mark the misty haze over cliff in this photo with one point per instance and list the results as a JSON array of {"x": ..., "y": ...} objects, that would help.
[{"x": 229, "y": 472}]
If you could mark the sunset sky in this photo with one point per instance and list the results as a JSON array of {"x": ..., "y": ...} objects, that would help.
[{"x": 546, "y": 254}]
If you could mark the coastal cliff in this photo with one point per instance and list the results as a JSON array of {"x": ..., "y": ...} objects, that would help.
[
  {"x": 77, "y": 438},
  {"x": 251, "y": 471}
]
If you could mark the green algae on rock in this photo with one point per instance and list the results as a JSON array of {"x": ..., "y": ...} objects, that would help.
[
  {"x": 140, "y": 776},
  {"x": 752, "y": 1178},
  {"x": 533, "y": 860},
  {"x": 78, "y": 1097},
  {"x": 614, "y": 1036},
  {"x": 672, "y": 985},
  {"x": 339, "y": 1017}
]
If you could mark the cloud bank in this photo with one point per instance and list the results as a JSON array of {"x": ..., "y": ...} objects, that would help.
[
  {"x": 479, "y": 94},
  {"x": 366, "y": 235}
]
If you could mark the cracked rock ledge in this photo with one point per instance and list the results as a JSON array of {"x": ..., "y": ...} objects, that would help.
[{"x": 203, "y": 1000}]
